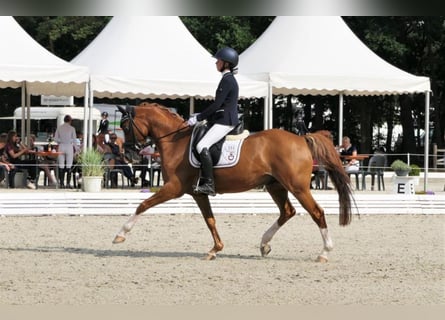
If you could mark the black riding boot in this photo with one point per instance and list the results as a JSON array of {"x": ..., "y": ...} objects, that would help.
[
  {"x": 62, "y": 178},
  {"x": 68, "y": 178},
  {"x": 207, "y": 186}
]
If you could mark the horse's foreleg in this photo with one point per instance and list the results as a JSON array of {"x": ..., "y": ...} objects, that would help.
[
  {"x": 204, "y": 205},
  {"x": 157, "y": 198}
]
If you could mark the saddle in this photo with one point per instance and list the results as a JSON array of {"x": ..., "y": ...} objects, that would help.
[{"x": 232, "y": 141}]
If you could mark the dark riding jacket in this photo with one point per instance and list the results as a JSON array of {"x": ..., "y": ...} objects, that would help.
[
  {"x": 224, "y": 110},
  {"x": 103, "y": 126}
]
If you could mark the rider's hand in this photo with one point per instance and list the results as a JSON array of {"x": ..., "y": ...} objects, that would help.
[{"x": 192, "y": 121}]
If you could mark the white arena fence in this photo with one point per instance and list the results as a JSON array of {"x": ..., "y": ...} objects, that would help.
[{"x": 34, "y": 203}]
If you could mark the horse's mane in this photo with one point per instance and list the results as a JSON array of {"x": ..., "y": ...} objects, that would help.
[{"x": 162, "y": 108}]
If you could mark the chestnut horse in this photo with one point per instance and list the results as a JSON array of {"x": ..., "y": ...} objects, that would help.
[{"x": 277, "y": 159}]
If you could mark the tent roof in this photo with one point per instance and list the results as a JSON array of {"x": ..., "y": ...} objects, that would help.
[
  {"x": 321, "y": 55},
  {"x": 153, "y": 57},
  {"x": 23, "y": 59}
]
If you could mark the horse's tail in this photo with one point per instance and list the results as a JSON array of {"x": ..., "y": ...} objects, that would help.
[{"x": 324, "y": 152}]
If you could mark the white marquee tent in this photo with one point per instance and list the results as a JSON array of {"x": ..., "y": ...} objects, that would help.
[
  {"x": 25, "y": 64},
  {"x": 319, "y": 56},
  {"x": 154, "y": 57}
]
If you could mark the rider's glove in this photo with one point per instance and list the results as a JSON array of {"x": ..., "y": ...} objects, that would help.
[{"x": 192, "y": 121}]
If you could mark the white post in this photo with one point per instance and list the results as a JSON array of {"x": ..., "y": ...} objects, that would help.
[
  {"x": 90, "y": 119},
  {"x": 340, "y": 119},
  {"x": 270, "y": 107},
  {"x": 22, "y": 129},
  {"x": 427, "y": 140},
  {"x": 86, "y": 135},
  {"x": 27, "y": 137}
]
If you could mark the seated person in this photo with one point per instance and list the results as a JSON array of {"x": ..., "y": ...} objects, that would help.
[
  {"x": 14, "y": 149},
  {"x": 116, "y": 159},
  {"x": 7, "y": 169},
  {"x": 148, "y": 154},
  {"x": 44, "y": 163},
  {"x": 347, "y": 149}
]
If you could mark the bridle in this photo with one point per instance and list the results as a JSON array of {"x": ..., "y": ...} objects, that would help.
[{"x": 128, "y": 115}]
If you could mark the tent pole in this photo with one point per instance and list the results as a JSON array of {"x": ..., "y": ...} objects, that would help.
[
  {"x": 340, "y": 119},
  {"x": 85, "y": 117},
  {"x": 266, "y": 109},
  {"x": 269, "y": 106},
  {"x": 28, "y": 120},
  {"x": 90, "y": 118},
  {"x": 427, "y": 140},
  {"x": 22, "y": 129},
  {"x": 192, "y": 105}
]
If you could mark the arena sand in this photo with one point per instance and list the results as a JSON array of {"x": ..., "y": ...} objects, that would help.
[{"x": 378, "y": 260}]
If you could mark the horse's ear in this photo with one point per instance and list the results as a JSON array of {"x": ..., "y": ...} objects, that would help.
[
  {"x": 122, "y": 110},
  {"x": 130, "y": 110}
]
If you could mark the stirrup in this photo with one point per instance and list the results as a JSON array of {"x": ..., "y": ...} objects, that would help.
[{"x": 206, "y": 187}]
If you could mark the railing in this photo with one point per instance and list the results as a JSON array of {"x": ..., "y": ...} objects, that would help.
[{"x": 438, "y": 157}]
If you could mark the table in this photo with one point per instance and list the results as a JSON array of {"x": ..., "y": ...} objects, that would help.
[
  {"x": 359, "y": 157},
  {"x": 43, "y": 154}
]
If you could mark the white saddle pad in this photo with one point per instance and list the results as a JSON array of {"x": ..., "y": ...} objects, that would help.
[{"x": 230, "y": 154}]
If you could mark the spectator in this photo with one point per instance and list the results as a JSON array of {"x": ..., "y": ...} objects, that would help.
[
  {"x": 117, "y": 159},
  {"x": 148, "y": 154},
  {"x": 14, "y": 150},
  {"x": 44, "y": 163},
  {"x": 65, "y": 136},
  {"x": 7, "y": 169},
  {"x": 347, "y": 149}
]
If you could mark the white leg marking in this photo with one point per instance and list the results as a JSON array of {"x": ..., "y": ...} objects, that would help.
[
  {"x": 268, "y": 235},
  {"x": 327, "y": 243},
  {"x": 128, "y": 226}
]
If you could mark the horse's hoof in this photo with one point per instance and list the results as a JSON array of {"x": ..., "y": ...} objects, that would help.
[
  {"x": 321, "y": 259},
  {"x": 210, "y": 256},
  {"x": 118, "y": 239},
  {"x": 265, "y": 250}
]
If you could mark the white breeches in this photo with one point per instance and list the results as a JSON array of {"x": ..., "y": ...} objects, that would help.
[
  {"x": 65, "y": 159},
  {"x": 215, "y": 133}
]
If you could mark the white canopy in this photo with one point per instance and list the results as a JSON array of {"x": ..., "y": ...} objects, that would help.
[
  {"x": 154, "y": 57},
  {"x": 23, "y": 60},
  {"x": 321, "y": 55}
]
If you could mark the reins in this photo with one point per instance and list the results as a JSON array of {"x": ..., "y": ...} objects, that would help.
[{"x": 172, "y": 133}]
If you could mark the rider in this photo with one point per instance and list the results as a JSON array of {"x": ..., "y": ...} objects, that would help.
[{"x": 221, "y": 115}]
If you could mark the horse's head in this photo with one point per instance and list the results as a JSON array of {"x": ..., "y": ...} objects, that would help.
[
  {"x": 135, "y": 132},
  {"x": 148, "y": 121}
]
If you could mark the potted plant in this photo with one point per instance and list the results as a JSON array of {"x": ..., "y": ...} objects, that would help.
[
  {"x": 400, "y": 168},
  {"x": 92, "y": 170},
  {"x": 415, "y": 170}
]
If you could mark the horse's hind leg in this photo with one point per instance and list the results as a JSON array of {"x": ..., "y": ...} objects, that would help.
[
  {"x": 317, "y": 214},
  {"x": 287, "y": 211},
  {"x": 206, "y": 210}
]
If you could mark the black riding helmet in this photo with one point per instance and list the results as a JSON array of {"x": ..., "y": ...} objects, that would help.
[{"x": 228, "y": 55}]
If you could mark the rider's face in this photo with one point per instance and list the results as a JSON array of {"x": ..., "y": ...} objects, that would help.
[{"x": 219, "y": 65}]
